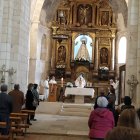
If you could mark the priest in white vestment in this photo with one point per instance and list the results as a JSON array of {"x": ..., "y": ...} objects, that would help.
[
  {"x": 80, "y": 82},
  {"x": 46, "y": 88},
  {"x": 52, "y": 81}
]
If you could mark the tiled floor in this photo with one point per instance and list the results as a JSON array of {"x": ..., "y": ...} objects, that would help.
[
  {"x": 54, "y": 137},
  {"x": 55, "y": 124}
]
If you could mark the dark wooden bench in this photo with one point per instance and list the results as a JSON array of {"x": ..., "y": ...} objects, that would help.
[{"x": 23, "y": 123}]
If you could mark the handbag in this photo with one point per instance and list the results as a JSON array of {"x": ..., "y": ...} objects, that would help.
[{"x": 35, "y": 103}]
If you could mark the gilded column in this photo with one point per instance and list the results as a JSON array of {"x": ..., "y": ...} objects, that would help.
[
  {"x": 96, "y": 53},
  {"x": 75, "y": 16},
  {"x": 112, "y": 54},
  {"x": 69, "y": 54}
]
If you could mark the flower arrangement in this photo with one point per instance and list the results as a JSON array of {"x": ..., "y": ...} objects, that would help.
[{"x": 69, "y": 84}]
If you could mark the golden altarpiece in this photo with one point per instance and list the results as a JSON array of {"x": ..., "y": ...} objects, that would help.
[{"x": 83, "y": 36}]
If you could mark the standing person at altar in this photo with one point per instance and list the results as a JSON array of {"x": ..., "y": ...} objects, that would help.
[
  {"x": 116, "y": 87},
  {"x": 112, "y": 82},
  {"x": 46, "y": 88},
  {"x": 80, "y": 81},
  {"x": 53, "y": 81}
]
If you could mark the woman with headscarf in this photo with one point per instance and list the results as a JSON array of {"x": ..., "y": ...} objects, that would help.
[{"x": 101, "y": 120}]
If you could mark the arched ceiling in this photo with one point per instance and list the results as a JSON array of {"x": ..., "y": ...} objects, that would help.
[
  {"x": 45, "y": 10},
  {"x": 120, "y": 7}
]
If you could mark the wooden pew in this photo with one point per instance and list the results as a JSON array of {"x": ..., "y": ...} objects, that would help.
[
  {"x": 15, "y": 131},
  {"x": 12, "y": 130},
  {"x": 29, "y": 112},
  {"x": 4, "y": 137},
  {"x": 23, "y": 123}
]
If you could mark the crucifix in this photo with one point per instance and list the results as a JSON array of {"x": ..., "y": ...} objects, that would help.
[
  {"x": 3, "y": 71},
  {"x": 132, "y": 83}
]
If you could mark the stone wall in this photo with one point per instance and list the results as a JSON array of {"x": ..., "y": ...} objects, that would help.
[
  {"x": 14, "y": 39},
  {"x": 133, "y": 49}
]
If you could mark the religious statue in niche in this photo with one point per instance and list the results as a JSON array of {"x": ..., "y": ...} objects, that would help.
[
  {"x": 83, "y": 54},
  {"x": 104, "y": 56},
  {"x": 61, "y": 54},
  {"x": 105, "y": 18},
  {"x": 84, "y": 14},
  {"x": 62, "y": 17}
]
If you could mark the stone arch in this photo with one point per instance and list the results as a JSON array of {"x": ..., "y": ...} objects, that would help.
[
  {"x": 36, "y": 9},
  {"x": 120, "y": 7}
]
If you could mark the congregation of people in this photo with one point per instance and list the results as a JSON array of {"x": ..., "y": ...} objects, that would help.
[
  {"x": 15, "y": 101},
  {"x": 110, "y": 122}
]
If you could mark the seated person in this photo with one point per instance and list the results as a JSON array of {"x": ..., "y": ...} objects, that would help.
[{"x": 80, "y": 82}]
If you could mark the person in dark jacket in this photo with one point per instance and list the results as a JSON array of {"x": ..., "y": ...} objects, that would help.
[
  {"x": 17, "y": 97},
  {"x": 29, "y": 101},
  {"x": 36, "y": 100},
  {"x": 127, "y": 103},
  {"x": 5, "y": 109}
]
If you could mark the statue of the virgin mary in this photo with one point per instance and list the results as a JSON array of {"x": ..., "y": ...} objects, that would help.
[{"x": 83, "y": 51}]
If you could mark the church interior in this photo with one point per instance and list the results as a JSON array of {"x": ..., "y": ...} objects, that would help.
[{"x": 98, "y": 39}]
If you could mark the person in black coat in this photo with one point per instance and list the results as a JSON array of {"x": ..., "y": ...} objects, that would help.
[
  {"x": 5, "y": 109},
  {"x": 36, "y": 100},
  {"x": 29, "y": 101}
]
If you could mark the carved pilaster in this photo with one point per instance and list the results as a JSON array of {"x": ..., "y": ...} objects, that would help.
[
  {"x": 112, "y": 54},
  {"x": 96, "y": 53}
]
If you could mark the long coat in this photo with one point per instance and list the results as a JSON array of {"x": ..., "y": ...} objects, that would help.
[
  {"x": 18, "y": 100},
  {"x": 6, "y": 105},
  {"x": 29, "y": 100}
]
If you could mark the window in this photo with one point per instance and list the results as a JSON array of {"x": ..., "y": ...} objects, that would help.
[{"x": 122, "y": 50}]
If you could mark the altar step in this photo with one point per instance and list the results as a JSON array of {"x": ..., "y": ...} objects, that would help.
[{"x": 69, "y": 109}]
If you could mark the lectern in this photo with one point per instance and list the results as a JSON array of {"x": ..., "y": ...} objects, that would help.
[{"x": 52, "y": 92}]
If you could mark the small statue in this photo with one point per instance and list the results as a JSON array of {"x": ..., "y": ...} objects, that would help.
[
  {"x": 83, "y": 53},
  {"x": 84, "y": 11},
  {"x": 105, "y": 18},
  {"x": 61, "y": 54},
  {"x": 104, "y": 56}
]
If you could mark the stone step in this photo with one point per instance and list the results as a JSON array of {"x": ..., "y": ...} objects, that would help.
[
  {"x": 70, "y": 105},
  {"x": 77, "y": 109},
  {"x": 71, "y": 109},
  {"x": 71, "y": 113}
]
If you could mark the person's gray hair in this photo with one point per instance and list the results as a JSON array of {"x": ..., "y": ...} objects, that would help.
[
  {"x": 102, "y": 101},
  {"x": 4, "y": 88}
]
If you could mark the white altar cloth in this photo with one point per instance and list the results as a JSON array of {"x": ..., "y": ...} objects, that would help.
[{"x": 79, "y": 93}]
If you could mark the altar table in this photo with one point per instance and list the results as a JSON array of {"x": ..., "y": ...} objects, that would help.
[{"x": 79, "y": 93}]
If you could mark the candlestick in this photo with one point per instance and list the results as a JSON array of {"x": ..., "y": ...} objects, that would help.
[{"x": 62, "y": 82}]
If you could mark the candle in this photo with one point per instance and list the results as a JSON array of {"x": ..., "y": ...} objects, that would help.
[{"x": 62, "y": 82}]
